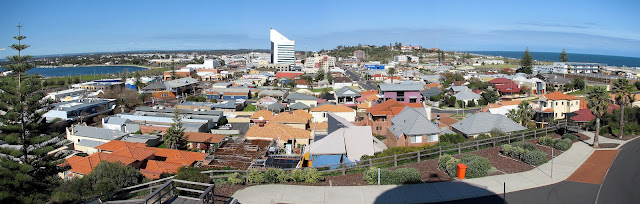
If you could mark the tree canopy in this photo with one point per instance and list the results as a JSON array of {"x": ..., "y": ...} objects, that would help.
[{"x": 526, "y": 63}]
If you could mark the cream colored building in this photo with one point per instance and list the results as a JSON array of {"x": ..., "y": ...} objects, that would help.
[{"x": 557, "y": 104}]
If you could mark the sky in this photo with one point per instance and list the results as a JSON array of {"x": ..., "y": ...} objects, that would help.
[{"x": 63, "y": 27}]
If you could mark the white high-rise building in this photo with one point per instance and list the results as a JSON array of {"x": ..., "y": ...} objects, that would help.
[{"x": 283, "y": 50}]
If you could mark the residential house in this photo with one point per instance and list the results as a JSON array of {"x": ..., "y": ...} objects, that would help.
[
  {"x": 340, "y": 82},
  {"x": 285, "y": 136},
  {"x": 196, "y": 105},
  {"x": 266, "y": 101},
  {"x": 403, "y": 93},
  {"x": 66, "y": 95},
  {"x": 320, "y": 113},
  {"x": 295, "y": 97},
  {"x": 230, "y": 93},
  {"x": 86, "y": 138},
  {"x": 379, "y": 116},
  {"x": 119, "y": 124},
  {"x": 298, "y": 119},
  {"x": 484, "y": 122},
  {"x": 261, "y": 116},
  {"x": 412, "y": 127},
  {"x": 152, "y": 162},
  {"x": 558, "y": 82},
  {"x": 467, "y": 96},
  {"x": 171, "y": 89},
  {"x": 203, "y": 141},
  {"x": 80, "y": 109},
  {"x": 299, "y": 106},
  {"x": 458, "y": 89},
  {"x": 346, "y": 95},
  {"x": 433, "y": 91},
  {"x": 535, "y": 85},
  {"x": 555, "y": 106}
]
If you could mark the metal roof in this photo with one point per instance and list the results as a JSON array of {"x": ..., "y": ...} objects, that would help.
[
  {"x": 484, "y": 122},
  {"x": 401, "y": 87},
  {"x": 300, "y": 96},
  {"x": 98, "y": 133},
  {"x": 412, "y": 121},
  {"x": 298, "y": 106},
  {"x": 347, "y": 91}
]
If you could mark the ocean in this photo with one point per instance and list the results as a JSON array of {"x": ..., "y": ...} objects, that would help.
[
  {"x": 88, "y": 70},
  {"x": 573, "y": 57}
]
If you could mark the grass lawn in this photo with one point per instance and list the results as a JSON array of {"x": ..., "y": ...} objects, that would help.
[
  {"x": 249, "y": 108},
  {"x": 581, "y": 92},
  {"x": 498, "y": 66},
  {"x": 162, "y": 146},
  {"x": 322, "y": 89}
]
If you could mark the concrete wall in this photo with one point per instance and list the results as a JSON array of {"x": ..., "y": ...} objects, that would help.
[{"x": 225, "y": 132}]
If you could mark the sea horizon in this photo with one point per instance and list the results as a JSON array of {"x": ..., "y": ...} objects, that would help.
[{"x": 611, "y": 60}]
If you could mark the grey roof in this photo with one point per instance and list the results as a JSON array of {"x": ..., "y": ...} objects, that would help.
[
  {"x": 275, "y": 107},
  {"x": 225, "y": 105},
  {"x": 116, "y": 120},
  {"x": 300, "y": 96},
  {"x": 447, "y": 131},
  {"x": 298, "y": 106},
  {"x": 181, "y": 82},
  {"x": 230, "y": 90},
  {"x": 458, "y": 88},
  {"x": 194, "y": 103},
  {"x": 341, "y": 80},
  {"x": 431, "y": 78},
  {"x": 98, "y": 133},
  {"x": 347, "y": 91},
  {"x": 485, "y": 122},
  {"x": 155, "y": 85},
  {"x": 467, "y": 95},
  {"x": 401, "y": 87},
  {"x": 90, "y": 143},
  {"x": 139, "y": 138},
  {"x": 412, "y": 121},
  {"x": 555, "y": 79},
  {"x": 431, "y": 92},
  {"x": 277, "y": 93}
]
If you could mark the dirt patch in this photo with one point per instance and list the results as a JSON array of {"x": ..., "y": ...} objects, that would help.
[
  {"x": 581, "y": 136},
  {"x": 608, "y": 145},
  {"x": 595, "y": 168},
  {"x": 503, "y": 163},
  {"x": 429, "y": 171},
  {"x": 224, "y": 192},
  {"x": 624, "y": 137}
]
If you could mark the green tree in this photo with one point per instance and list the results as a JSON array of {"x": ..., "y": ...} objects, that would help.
[
  {"x": 563, "y": 56},
  {"x": 173, "y": 70},
  {"x": 452, "y": 138},
  {"x": 320, "y": 75},
  {"x": 489, "y": 97},
  {"x": 329, "y": 77},
  {"x": 598, "y": 103},
  {"x": 308, "y": 79},
  {"x": 578, "y": 83},
  {"x": 27, "y": 175},
  {"x": 175, "y": 134},
  {"x": 138, "y": 83},
  {"x": 106, "y": 177},
  {"x": 622, "y": 90},
  {"x": 525, "y": 112},
  {"x": 514, "y": 115},
  {"x": 526, "y": 63}
]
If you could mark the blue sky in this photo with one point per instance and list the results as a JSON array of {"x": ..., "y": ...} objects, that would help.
[{"x": 59, "y": 27}]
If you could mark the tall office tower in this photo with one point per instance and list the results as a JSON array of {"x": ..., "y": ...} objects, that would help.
[{"x": 282, "y": 49}]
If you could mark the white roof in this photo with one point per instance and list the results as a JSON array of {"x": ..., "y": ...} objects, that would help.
[{"x": 353, "y": 141}]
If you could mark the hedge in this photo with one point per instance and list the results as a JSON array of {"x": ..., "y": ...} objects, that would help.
[
  {"x": 235, "y": 179},
  {"x": 255, "y": 177},
  {"x": 525, "y": 145},
  {"x": 399, "y": 176}
]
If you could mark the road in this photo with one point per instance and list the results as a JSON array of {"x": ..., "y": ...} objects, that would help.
[
  {"x": 454, "y": 111},
  {"x": 368, "y": 85},
  {"x": 619, "y": 186}
]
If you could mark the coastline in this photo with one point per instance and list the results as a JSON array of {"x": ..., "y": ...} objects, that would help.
[{"x": 102, "y": 65}]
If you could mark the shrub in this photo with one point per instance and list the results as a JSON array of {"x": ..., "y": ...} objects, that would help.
[
  {"x": 562, "y": 144},
  {"x": 570, "y": 136},
  {"x": 525, "y": 145},
  {"x": 312, "y": 175},
  {"x": 546, "y": 141},
  {"x": 405, "y": 176},
  {"x": 452, "y": 166},
  {"x": 371, "y": 175},
  {"x": 255, "y": 177},
  {"x": 507, "y": 149},
  {"x": 297, "y": 175},
  {"x": 452, "y": 138},
  {"x": 482, "y": 137},
  {"x": 477, "y": 166},
  {"x": 270, "y": 176},
  {"x": 442, "y": 161},
  {"x": 192, "y": 174},
  {"x": 535, "y": 157},
  {"x": 513, "y": 151},
  {"x": 235, "y": 179}
]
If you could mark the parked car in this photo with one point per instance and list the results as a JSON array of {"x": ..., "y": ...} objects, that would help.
[{"x": 226, "y": 127}]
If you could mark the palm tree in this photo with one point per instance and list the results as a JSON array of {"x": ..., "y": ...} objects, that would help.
[
  {"x": 525, "y": 112},
  {"x": 391, "y": 72},
  {"x": 622, "y": 90},
  {"x": 514, "y": 115},
  {"x": 598, "y": 103}
]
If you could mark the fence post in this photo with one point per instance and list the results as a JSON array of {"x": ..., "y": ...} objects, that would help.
[
  {"x": 344, "y": 171},
  {"x": 440, "y": 151},
  {"x": 246, "y": 180},
  {"x": 150, "y": 189},
  {"x": 535, "y": 134},
  {"x": 395, "y": 160},
  {"x": 459, "y": 150},
  {"x": 523, "y": 136},
  {"x": 418, "y": 156},
  {"x": 370, "y": 163}
]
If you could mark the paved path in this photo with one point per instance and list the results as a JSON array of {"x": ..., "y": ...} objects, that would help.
[{"x": 491, "y": 186}]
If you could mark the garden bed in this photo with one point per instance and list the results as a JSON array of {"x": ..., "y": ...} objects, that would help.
[
  {"x": 608, "y": 145},
  {"x": 624, "y": 137}
]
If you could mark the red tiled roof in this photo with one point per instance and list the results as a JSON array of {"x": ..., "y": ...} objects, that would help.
[
  {"x": 434, "y": 84},
  {"x": 154, "y": 169},
  {"x": 584, "y": 115},
  {"x": 204, "y": 137},
  {"x": 500, "y": 80},
  {"x": 290, "y": 75},
  {"x": 509, "y": 87},
  {"x": 560, "y": 96},
  {"x": 478, "y": 91},
  {"x": 390, "y": 107}
]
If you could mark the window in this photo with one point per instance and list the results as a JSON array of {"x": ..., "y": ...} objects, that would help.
[
  {"x": 378, "y": 128},
  {"x": 412, "y": 100},
  {"x": 556, "y": 103},
  {"x": 416, "y": 139},
  {"x": 556, "y": 115},
  {"x": 400, "y": 99},
  {"x": 562, "y": 103},
  {"x": 432, "y": 138}
]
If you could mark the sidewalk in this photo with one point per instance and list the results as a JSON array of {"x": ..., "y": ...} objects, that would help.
[{"x": 563, "y": 166}]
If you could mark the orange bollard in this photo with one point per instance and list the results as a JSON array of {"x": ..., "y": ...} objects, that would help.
[{"x": 462, "y": 170}]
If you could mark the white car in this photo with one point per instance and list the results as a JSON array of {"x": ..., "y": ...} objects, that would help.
[{"x": 226, "y": 127}]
